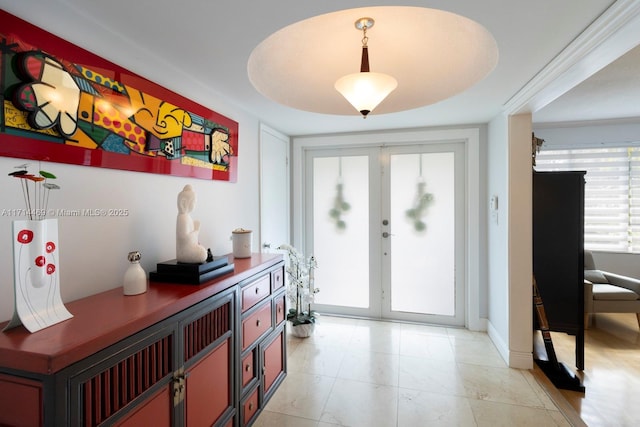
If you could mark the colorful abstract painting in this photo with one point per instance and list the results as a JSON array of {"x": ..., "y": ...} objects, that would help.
[{"x": 63, "y": 104}]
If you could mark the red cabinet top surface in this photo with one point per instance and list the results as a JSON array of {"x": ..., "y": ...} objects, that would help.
[{"x": 103, "y": 319}]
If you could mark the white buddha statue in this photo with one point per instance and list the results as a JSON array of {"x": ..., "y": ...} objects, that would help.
[{"x": 187, "y": 247}]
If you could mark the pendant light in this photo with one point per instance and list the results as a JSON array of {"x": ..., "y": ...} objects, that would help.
[{"x": 365, "y": 90}]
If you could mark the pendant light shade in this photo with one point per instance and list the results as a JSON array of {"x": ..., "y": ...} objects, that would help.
[{"x": 365, "y": 90}]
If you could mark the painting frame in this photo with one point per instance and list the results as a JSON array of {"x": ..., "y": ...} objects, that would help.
[{"x": 203, "y": 145}]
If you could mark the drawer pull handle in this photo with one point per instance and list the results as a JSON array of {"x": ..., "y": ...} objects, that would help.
[
  {"x": 248, "y": 367},
  {"x": 250, "y": 406},
  {"x": 279, "y": 309},
  {"x": 257, "y": 290},
  {"x": 258, "y": 322}
]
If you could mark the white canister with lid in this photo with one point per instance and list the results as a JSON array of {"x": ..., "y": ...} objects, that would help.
[{"x": 241, "y": 243}]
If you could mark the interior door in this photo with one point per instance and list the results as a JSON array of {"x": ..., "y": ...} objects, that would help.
[{"x": 274, "y": 189}]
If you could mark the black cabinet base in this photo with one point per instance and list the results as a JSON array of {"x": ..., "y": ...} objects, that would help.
[{"x": 561, "y": 376}]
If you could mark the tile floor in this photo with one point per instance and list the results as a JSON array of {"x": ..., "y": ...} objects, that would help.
[{"x": 355, "y": 372}]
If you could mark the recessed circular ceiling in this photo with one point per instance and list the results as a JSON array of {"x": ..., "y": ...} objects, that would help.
[{"x": 432, "y": 54}]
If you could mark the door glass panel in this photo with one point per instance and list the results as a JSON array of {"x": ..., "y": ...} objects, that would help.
[
  {"x": 341, "y": 230},
  {"x": 422, "y": 224}
]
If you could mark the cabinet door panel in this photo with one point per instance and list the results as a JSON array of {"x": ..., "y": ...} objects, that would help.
[
  {"x": 125, "y": 372},
  {"x": 273, "y": 359},
  {"x": 558, "y": 247},
  {"x": 156, "y": 411},
  {"x": 20, "y": 401},
  {"x": 208, "y": 391}
]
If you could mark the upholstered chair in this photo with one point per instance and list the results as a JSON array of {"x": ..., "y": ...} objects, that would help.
[{"x": 607, "y": 292}]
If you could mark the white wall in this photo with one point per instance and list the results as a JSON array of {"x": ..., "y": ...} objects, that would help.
[
  {"x": 520, "y": 242},
  {"x": 93, "y": 250},
  {"x": 509, "y": 239},
  {"x": 622, "y": 263},
  {"x": 589, "y": 134},
  {"x": 497, "y": 235}
]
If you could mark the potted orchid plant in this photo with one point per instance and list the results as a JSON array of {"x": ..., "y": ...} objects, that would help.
[{"x": 301, "y": 291}]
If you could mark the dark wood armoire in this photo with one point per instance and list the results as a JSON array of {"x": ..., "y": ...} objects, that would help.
[{"x": 558, "y": 251}]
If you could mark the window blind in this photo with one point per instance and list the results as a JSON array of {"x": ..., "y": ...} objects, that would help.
[
  {"x": 612, "y": 193},
  {"x": 634, "y": 199}
]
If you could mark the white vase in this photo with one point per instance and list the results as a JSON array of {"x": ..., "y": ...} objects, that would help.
[
  {"x": 135, "y": 278},
  {"x": 303, "y": 330},
  {"x": 36, "y": 273}
]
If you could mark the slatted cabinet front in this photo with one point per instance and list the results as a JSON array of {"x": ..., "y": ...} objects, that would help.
[
  {"x": 171, "y": 378},
  {"x": 104, "y": 386}
]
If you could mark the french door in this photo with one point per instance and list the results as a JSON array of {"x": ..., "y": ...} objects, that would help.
[{"x": 386, "y": 225}]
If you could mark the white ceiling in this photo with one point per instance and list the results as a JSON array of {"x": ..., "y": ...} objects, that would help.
[
  {"x": 610, "y": 94},
  {"x": 202, "y": 47}
]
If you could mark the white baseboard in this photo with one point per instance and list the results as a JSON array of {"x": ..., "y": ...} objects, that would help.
[
  {"x": 477, "y": 325},
  {"x": 514, "y": 359},
  {"x": 520, "y": 360}
]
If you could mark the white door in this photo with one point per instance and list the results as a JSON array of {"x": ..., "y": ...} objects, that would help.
[
  {"x": 423, "y": 233},
  {"x": 387, "y": 229},
  {"x": 342, "y": 210},
  {"x": 274, "y": 189}
]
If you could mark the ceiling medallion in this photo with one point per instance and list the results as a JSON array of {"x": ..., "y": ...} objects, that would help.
[{"x": 432, "y": 55}]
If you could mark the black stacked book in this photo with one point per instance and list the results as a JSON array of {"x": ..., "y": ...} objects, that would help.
[{"x": 188, "y": 273}]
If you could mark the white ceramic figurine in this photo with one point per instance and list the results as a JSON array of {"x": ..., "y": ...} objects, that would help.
[{"x": 187, "y": 247}]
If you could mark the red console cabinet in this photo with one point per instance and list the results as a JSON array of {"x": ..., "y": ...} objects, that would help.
[{"x": 169, "y": 357}]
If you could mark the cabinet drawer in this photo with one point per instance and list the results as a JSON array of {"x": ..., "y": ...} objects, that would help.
[
  {"x": 255, "y": 292},
  {"x": 280, "y": 309},
  {"x": 256, "y": 325},
  {"x": 250, "y": 407},
  {"x": 277, "y": 279},
  {"x": 248, "y": 368}
]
